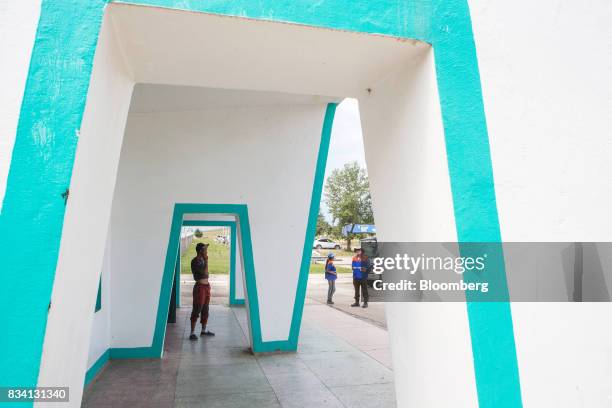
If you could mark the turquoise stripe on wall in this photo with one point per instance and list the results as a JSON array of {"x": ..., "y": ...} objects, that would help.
[
  {"x": 315, "y": 201},
  {"x": 96, "y": 367},
  {"x": 234, "y": 300},
  {"x": 51, "y": 114},
  {"x": 177, "y": 280},
  {"x": 99, "y": 297},
  {"x": 41, "y": 166},
  {"x": 474, "y": 202}
]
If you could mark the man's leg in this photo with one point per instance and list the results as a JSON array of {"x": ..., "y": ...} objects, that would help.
[
  {"x": 196, "y": 310},
  {"x": 364, "y": 292},
  {"x": 356, "y": 285},
  {"x": 205, "y": 309}
]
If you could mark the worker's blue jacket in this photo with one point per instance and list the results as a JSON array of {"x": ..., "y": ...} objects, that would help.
[{"x": 357, "y": 264}]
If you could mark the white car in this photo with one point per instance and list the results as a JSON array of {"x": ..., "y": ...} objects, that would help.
[{"x": 325, "y": 243}]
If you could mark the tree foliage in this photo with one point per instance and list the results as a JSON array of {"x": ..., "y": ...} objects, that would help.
[
  {"x": 323, "y": 227},
  {"x": 347, "y": 195}
]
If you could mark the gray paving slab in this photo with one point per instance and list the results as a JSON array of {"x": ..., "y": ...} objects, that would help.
[
  {"x": 382, "y": 355},
  {"x": 126, "y": 394},
  {"x": 281, "y": 363},
  {"x": 222, "y": 379},
  {"x": 370, "y": 396},
  {"x": 316, "y": 345},
  {"x": 240, "y": 400},
  {"x": 296, "y": 381},
  {"x": 347, "y": 368},
  {"x": 317, "y": 293},
  {"x": 217, "y": 356},
  {"x": 314, "y": 397}
]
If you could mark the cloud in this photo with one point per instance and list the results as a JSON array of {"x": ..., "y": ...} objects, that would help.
[{"x": 346, "y": 139}]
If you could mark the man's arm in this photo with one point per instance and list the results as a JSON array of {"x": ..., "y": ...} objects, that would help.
[{"x": 365, "y": 263}]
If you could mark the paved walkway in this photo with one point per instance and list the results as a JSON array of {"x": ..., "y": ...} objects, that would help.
[
  {"x": 317, "y": 290},
  {"x": 341, "y": 361}
]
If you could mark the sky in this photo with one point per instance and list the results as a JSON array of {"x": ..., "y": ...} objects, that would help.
[{"x": 346, "y": 143}]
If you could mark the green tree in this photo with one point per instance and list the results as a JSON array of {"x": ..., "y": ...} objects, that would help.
[
  {"x": 347, "y": 195},
  {"x": 198, "y": 233},
  {"x": 323, "y": 227}
]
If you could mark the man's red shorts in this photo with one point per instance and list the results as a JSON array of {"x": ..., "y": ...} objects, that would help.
[{"x": 201, "y": 299}]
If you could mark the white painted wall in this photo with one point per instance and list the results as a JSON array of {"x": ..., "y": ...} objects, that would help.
[
  {"x": 18, "y": 22},
  {"x": 86, "y": 222},
  {"x": 264, "y": 157},
  {"x": 545, "y": 71},
  {"x": 100, "y": 328},
  {"x": 411, "y": 196},
  {"x": 240, "y": 282}
]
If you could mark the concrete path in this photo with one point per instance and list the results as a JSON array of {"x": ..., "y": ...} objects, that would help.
[
  {"x": 344, "y": 296},
  {"x": 341, "y": 362}
]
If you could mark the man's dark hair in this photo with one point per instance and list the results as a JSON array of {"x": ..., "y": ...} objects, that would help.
[{"x": 200, "y": 246}]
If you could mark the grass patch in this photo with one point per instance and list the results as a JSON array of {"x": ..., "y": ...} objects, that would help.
[
  {"x": 320, "y": 268},
  {"x": 218, "y": 254},
  {"x": 339, "y": 253}
]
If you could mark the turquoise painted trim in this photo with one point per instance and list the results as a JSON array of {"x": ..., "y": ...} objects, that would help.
[
  {"x": 156, "y": 348},
  {"x": 233, "y": 300},
  {"x": 41, "y": 165},
  {"x": 52, "y": 109},
  {"x": 96, "y": 367},
  {"x": 208, "y": 223},
  {"x": 474, "y": 202},
  {"x": 136, "y": 352},
  {"x": 409, "y": 19},
  {"x": 177, "y": 280},
  {"x": 315, "y": 202},
  {"x": 241, "y": 212},
  {"x": 99, "y": 297}
]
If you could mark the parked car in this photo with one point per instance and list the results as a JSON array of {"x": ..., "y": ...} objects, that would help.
[
  {"x": 325, "y": 243},
  {"x": 222, "y": 239},
  {"x": 371, "y": 249}
]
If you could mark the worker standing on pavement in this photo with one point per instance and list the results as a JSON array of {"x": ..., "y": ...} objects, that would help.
[
  {"x": 360, "y": 277},
  {"x": 331, "y": 276}
]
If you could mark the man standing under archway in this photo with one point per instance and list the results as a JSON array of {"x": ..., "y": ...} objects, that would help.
[{"x": 201, "y": 291}]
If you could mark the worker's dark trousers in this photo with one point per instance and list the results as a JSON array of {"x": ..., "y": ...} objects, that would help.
[{"x": 363, "y": 285}]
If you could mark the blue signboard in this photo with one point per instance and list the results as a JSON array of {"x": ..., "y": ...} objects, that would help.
[{"x": 358, "y": 229}]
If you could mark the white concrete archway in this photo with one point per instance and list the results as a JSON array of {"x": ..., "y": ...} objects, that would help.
[{"x": 248, "y": 89}]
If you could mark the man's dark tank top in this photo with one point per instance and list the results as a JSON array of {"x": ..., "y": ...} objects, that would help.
[{"x": 198, "y": 268}]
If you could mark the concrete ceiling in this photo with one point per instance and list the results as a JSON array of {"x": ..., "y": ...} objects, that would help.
[{"x": 170, "y": 47}]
